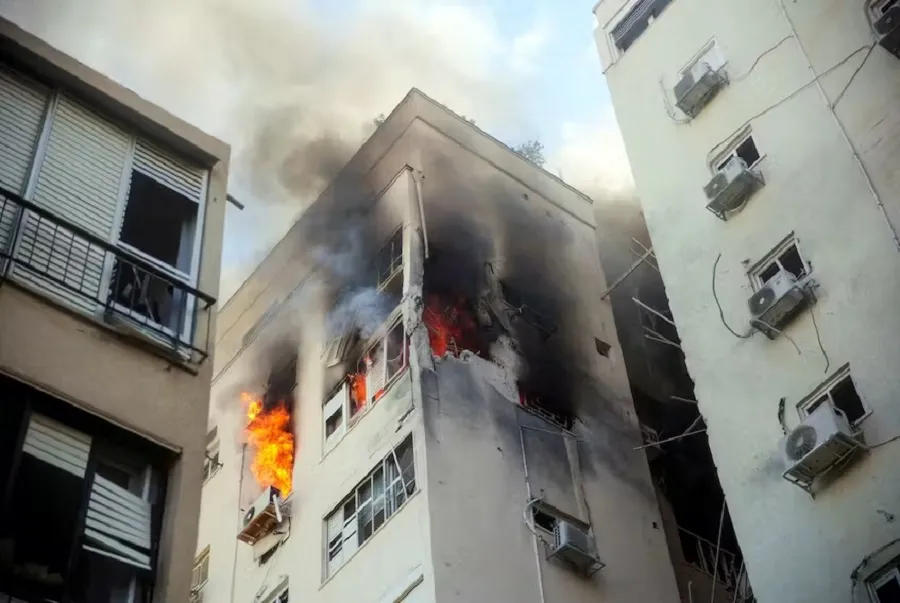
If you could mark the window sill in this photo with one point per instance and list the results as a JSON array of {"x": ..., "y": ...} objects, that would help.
[{"x": 370, "y": 539}]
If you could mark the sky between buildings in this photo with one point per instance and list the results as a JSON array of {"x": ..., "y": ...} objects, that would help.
[{"x": 524, "y": 69}]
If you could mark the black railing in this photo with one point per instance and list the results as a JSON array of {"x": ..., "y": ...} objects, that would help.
[{"x": 45, "y": 251}]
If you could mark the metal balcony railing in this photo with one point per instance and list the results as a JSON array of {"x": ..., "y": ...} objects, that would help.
[
  {"x": 66, "y": 262},
  {"x": 727, "y": 568}
]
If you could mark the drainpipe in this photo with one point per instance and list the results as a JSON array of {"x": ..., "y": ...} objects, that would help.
[
  {"x": 240, "y": 518},
  {"x": 417, "y": 176},
  {"x": 534, "y": 538},
  {"x": 840, "y": 125}
]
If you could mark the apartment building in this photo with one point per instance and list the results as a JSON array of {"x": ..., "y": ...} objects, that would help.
[
  {"x": 111, "y": 220},
  {"x": 763, "y": 138},
  {"x": 419, "y": 395}
]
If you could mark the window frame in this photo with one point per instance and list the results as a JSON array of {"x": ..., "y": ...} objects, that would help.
[
  {"x": 397, "y": 262},
  {"x": 773, "y": 256},
  {"x": 717, "y": 164},
  {"x": 619, "y": 18},
  {"x": 211, "y": 462},
  {"x": 812, "y": 401},
  {"x": 200, "y": 561},
  {"x": 350, "y": 525},
  {"x": 711, "y": 45}
]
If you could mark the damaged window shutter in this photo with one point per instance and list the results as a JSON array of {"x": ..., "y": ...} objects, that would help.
[
  {"x": 333, "y": 406},
  {"x": 376, "y": 373},
  {"x": 118, "y": 524},
  {"x": 169, "y": 171},
  {"x": 57, "y": 445},
  {"x": 333, "y": 527}
]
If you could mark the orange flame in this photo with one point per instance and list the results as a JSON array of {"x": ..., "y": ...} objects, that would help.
[
  {"x": 270, "y": 435},
  {"x": 451, "y": 326},
  {"x": 357, "y": 383}
]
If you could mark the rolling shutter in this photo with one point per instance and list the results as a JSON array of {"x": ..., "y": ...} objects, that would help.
[
  {"x": 376, "y": 373},
  {"x": 169, "y": 171},
  {"x": 118, "y": 524},
  {"x": 57, "y": 444},
  {"x": 22, "y": 107},
  {"x": 636, "y": 21},
  {"x": 79, "y": 181},
  {"x": 336, "y": 404}
]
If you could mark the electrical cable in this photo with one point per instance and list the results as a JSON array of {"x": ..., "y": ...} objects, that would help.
[
  {"x": 781, "y": 420},
  {"x": 815, "y": 80},
  {"x": 819, "y": 339},
  {"x": 856, "y": 71},
  {"x": 782, "y": 334},
  {"x": 719, "y": 305},
  {"x": 760, "y": 57}
]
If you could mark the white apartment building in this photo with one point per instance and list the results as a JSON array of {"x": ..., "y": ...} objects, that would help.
[
  {"x": 762, "y": 135},
  {"x": 428, "y": 355},
  {"x": 111, "y": 220}
]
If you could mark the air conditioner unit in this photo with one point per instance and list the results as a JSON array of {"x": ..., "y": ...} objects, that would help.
[
  {"x": 262, "y": 516},
  {"x": 697, "y": 87},
  {"x": 574, "y": 546},
  {"x": 821, "y": 441},
  {"x": 730, "y": 187},
  {"x": 887, "y": 30},
  {"x": 776, "y": 303}
]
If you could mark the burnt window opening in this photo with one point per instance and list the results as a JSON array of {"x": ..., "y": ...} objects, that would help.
[
  {"x": 525, "y": 310},
  {"x": 789, "y": 259},
  {"x": 389, "y": 266},
  {"x": 843, "y": 396},
  {"x": 543, "y": 407},
  {"x": 603, "y": 348},
  {"x": 282, "y": 381}
]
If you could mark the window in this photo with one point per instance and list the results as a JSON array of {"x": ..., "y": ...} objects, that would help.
[
  {"x": 636, "y": 21},
  {"x": 711, "y": 55},
  {"x": 784, "y": 257},
  {"x": 840, "y": 392},
  {"x": 211, "y": 462},
  {"x": 543, "y": 520},
  {"x": 378, "y": 496},
  {"x": 200, "y": 576},
  {"x": 885, "y": 588},
  {"x": 389, "y": 261},
  {"x": 745, "y": 149},
  {"x": 879, "y": 7}
]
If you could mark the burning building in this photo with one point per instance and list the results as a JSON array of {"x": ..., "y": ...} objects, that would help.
[{"x": 461, "y": 424}]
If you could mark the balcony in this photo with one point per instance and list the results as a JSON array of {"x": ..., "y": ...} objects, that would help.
[{"x": 51, "y": 255}]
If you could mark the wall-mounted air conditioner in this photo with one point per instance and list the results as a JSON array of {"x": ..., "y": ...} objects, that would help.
[
  {"x": 262, "y": 516},
  {"x": 575, "y": 547},
  {"x": 887, "y": 30},
  {"x": 697, "y": 87},
  {"x": 822, "y": 441},
  {"x": 730, "y": 187},
  {"x": 776, "y": 303}
]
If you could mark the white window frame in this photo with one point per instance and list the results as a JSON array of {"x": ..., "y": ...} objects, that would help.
[
  {"x": 731, "y": 152},
  {"x": 382, "y": 283},
  {"x": 892, "y": 573},
  {"x": 808, "y": 403},
  {"x": 402, "y": 485},
  {"x": 189, "y": 279},
  {"x": 711, "y": 47},
  {"x": 615, "y": 52},
  {"x": 211, "y": 462},
  {"x": 340, "y": 399},
  {"x": 201, "y": 568},
  {"x": 774, "y": 257}
]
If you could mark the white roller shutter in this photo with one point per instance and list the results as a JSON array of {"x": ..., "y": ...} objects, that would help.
[
  {"x": 118, "y": 524},
  {"x": 57, "y": 444},
  {"x": 337, "y": 404},
  {"x": 169, "y": 171},
  {"x": 79, "y": 180},
  {"x": 376, "y": 373},
  {"x": 22, "y": 107}
]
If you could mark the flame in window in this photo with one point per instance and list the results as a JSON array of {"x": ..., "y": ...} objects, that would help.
[{"x": 270, "y": 436}]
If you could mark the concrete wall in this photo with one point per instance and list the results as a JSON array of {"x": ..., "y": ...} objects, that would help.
[
  {"x": 107, "y": 372},
  {"x": 814, "y": 188}
]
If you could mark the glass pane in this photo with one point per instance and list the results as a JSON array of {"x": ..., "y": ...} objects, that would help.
[
  {"x": 365, "y": 522},
  {"x": 888, "y": 592}
]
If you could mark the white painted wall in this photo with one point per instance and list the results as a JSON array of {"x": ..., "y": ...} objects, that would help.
[{"x": 796, "y": 548}]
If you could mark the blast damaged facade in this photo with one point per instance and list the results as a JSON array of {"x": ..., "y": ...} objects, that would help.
[{"x": 420, "y": 394}]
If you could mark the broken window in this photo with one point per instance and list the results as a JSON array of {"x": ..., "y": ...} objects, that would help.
[
  {"x": 200, "y": 575},
  {"x": 378, "y": 496},
  {"x": 745, "y": 149},
  {"x": 785, "y": 257},
  {"x": 840, "y": 392},
  {"x": 159, "y": 226},
  {"x": 47, "y": 511},
  {"x": 389, "y": 265},
  {"x": 384, "y": 361}
]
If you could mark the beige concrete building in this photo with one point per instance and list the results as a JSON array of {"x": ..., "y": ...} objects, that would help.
[
  {"x": 438, "y": 390},
  {"x": 762, "y": 138},
  {"x": 111, "y": 221}
]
